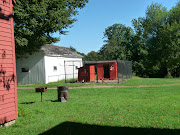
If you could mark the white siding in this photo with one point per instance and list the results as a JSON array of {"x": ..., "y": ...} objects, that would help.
[
  {"x": 59, "y": 74},
  {"x": 72, "y": 65}
]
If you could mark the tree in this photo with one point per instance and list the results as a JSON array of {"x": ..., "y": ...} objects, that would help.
[
  {"x": 74, "y": 49},
  {"x": 138, "y": 48},
  {"x": 92, "y": 56},
  {"x": 159, "y": 32},
  {"x": 37, "y": 20},
  {"x": 154, "y": 45},
  {"x": 117, "y": 39},
  {"x": 169, "y": 38},
  {"x": 145, "y": 54}
]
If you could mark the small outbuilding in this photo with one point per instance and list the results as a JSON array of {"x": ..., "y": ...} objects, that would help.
[
  {"x": 52, "y": 63},
  {"x": 105, "y": 70},
  {"x": 8, "y": 88},
  {"x": 86, "y": 73}
]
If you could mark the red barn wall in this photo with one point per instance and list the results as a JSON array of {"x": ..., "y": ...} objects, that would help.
[{"x": 8, "y": 88}]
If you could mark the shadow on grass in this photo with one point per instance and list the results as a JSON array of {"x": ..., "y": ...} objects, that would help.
[
  {"x": 72, "y": 128},
  {"x": 27, "y": 103},
  {"x": 54, "y": 100}
]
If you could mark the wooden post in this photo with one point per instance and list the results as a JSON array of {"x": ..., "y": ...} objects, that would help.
[
  {"x": 73, "y": 71},
  {"x": 65, "y": 70},
  {"x": 117, "y": 70},
  {"x": 85, "y": 75}
]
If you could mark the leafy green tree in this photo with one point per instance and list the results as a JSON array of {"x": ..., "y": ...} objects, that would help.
[
  {"x": 169, "y": 42},
  {"x": 154, "y": 45},
  {"x": 92, "y": 56},
  {"x": 117, "y": 42},
  {"x": 74, "y": 49},
  {"x": 159, "y": 32},
  {"x": 37, "y": 20},
  {"x": 156, "y": 17},
  {"x": 145, "y": 54},
  {"x": 138, "y": 48}
]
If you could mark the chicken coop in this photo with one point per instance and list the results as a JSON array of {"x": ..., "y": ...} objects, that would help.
[{"x": 114, "y": 71}]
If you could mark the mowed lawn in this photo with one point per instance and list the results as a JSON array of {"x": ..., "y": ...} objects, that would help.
[
  {"x": 135, "y": 81},
  {"x": 126, "y": 110}
]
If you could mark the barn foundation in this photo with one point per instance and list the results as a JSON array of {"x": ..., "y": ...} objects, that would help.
[{"x": 8, "y": 123}]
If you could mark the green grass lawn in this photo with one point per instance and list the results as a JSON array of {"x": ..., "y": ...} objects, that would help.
[
  {"x": 135, "y": 81},
  {"x": 131, "y": 110}
]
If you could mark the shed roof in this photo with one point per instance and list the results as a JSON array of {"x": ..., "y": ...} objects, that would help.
[{"x": 53, "y": 50}]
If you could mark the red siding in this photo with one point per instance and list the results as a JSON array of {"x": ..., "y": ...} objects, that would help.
[
  {"x": 4, "y": 34},
  {"x": 90, "y": 71},
  {"x": 100, "y": 71},
  {"x": 5, "y": 99},
  {"x": 5, "y": 3},
  {"x": 112, "y": 70},
  {"x": 8, "y": 88},
  {"x": 5, "y": 8},
  {"x": 86, "y": 73}
]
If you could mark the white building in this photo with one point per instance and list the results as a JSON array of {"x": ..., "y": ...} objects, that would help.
[{"x": 50, "y": 64}]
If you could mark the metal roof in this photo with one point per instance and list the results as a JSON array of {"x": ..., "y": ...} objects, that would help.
[
  {"x": 53, "y": 50},
  {"x": 103, "y": 61}
]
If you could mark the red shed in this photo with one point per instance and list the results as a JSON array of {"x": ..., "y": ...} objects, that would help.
[
  {"x": 86, "y": 73},
  {"x": 105, "y": 70},
  {"x": 8, "y": 88}
]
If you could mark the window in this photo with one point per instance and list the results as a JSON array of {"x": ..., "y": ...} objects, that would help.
[
  {"x": 55, "y": 68},
  {"x": 24, "y": 69}
]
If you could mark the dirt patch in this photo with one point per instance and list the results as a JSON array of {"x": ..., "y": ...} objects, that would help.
[
  {"x": 99, "y": 86},
  {"x": 109, "y": 86}
]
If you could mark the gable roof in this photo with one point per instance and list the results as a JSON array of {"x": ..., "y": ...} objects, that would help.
[{"x": 53, "y": 50}]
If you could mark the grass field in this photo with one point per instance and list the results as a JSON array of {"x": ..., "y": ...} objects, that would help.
[
  {"x": 135, "y": 81},
  {"x": 154, "y": 109}
]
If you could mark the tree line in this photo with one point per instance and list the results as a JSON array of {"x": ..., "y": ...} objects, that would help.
[{"x": 153, "y": 44}]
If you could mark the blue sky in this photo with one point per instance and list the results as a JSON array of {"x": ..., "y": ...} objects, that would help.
[{"x": 87, "y": 33}]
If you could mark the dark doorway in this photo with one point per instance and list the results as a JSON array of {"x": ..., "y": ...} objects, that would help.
[
  {"x": 106, "y": 71},
  {"x": 96, "y": 75}
]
